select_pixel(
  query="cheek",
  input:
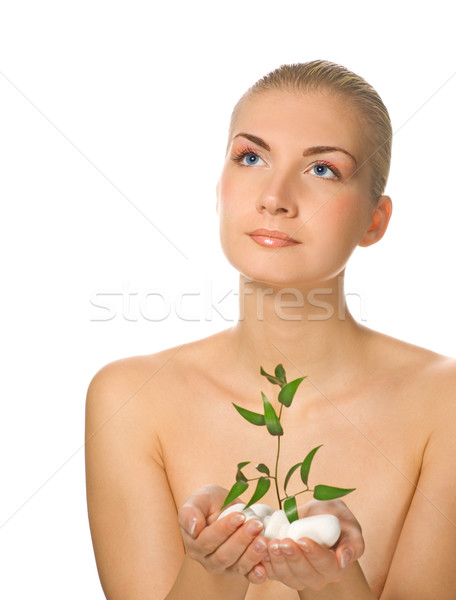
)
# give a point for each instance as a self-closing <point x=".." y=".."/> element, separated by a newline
<point x="347" y="216"/>
<point x="229" y="197"/>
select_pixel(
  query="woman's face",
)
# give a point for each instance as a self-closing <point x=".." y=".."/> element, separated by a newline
<point x="294" y="166"/>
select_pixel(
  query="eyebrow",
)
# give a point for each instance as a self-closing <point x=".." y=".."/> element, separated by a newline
<point x="307" y="152"/>
<point x="256" y="140"/>
<point x="325" y="149"/>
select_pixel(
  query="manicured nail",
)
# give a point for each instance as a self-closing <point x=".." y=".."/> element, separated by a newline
<point x="259" y="546"/>
<point x="286" y="549"/>
<point x="254" y="526"/>
<point x="275" y="549"/>
<point x="258" y="571"/>
<point x="303" y="545"/>
<point x="346" y="558"/>
<point x="192" y="527"/>
<point x="237" y="520"/>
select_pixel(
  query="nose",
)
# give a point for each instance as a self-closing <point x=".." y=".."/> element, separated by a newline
<point x="278" y="197"/>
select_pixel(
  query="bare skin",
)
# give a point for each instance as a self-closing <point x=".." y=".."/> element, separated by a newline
<point x="159" y="427"/>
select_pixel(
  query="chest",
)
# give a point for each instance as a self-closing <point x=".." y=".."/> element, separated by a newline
<point x="371" y="446"/>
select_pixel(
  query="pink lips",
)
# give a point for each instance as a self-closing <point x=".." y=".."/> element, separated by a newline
<point x="271" y="238"/>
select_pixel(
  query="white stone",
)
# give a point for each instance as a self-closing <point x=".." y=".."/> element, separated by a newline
<point x="239" y="507"/>
<point x="323" y="529"/>
<point x="262" y="511"/>
<point x="276" y="524"/>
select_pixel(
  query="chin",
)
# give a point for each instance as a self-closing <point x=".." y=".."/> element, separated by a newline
<point x="270" y="277"/>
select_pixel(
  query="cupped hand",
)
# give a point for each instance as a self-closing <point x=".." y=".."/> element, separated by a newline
<point x="306" y="564"/>
<point x="230" y="545"/>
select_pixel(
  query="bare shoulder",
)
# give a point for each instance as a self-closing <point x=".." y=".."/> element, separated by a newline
<point x="427" y="375"/>
<point x="151" y="375"/>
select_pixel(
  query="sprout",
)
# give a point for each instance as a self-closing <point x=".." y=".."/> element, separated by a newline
<point x="271" y="421"/>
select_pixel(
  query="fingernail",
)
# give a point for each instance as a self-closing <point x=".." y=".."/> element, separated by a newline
<point x="275" y="549"/>
<point x="237" y="519"/>
<point x="192" y="527"/>
<point x="303" y="545"/>
<point x="259" y="546"/>
<point x="258" y="571"/>
<point x="346" y="558"/>
<point x="286" y="549"/>
<point x="254" y="526"/>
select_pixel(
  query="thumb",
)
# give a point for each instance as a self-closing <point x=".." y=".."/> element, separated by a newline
<point x="191" y="520"/>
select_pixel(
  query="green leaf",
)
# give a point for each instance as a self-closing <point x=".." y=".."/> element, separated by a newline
<point x="241" y="465"/>
<point x="251" y="417"/>
<point x="290" y="508"/>
<point x="280" y="374"/>
<point x="288" y="391"/>
<point x="260" y="490"/>
<point x="270" y="378"/>
<point x="326" y="492"/>
<point x="263" y="469"/>
<point x="239" y="474"/>
<point x="306" y="464"/>
<point x="290" y="473"/>
<point x="271" y="418"/>
<point x="238" y="488"/>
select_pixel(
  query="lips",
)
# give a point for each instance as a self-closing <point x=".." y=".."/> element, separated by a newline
<point x="272" y="238"/>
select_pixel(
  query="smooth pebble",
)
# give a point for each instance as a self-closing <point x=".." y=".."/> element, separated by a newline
<point x="323" y="529"/>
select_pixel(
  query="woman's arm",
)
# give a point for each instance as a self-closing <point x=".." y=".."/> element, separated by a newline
<point x="424" y="564"/>
<point x="131" y="510"/>
<point x="133" y="518"/>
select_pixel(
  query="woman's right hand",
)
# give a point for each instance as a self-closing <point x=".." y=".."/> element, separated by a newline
<point x="226" y="546"/>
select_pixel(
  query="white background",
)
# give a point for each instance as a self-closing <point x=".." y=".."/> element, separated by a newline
<point x="113" y="122"/>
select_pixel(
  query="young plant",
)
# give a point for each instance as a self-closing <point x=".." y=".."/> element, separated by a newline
<point x="271" y="421"/>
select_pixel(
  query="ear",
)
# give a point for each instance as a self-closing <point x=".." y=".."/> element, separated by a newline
<point x="217" y="188"/>
<point x="379" y="223"/>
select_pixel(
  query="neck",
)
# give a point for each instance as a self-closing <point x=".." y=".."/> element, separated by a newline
<point x="309" y="330"/>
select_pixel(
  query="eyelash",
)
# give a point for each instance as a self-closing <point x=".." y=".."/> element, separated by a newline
<point x="330" y="166"/>
<point x="242" y="153"/>
<point x="246" y="150"/>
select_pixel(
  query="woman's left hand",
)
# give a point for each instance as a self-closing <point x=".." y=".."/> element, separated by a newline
<point x="306" y="564"/>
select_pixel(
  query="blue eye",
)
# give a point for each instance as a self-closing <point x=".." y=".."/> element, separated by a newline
<point x="247" y="157"/>
<point x="323" y="171"/>
<point x="251" y="159"/>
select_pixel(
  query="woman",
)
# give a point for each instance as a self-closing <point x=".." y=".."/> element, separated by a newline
<point x="302" y="186"/>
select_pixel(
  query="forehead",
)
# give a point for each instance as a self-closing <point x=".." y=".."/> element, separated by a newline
<point x="301" y="119"/>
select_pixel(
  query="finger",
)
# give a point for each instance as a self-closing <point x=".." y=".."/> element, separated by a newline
<point x="289" y="563"/>
<point x="200" y="509"/>
<point x="235" y="552"/>
<point x="215" y="536"/>
<point x="349" y="549"/>
<point x="191" y="520"/>
<point x="257" y="575"/>
<point x="278" y="565"/>
<point x="252" y="556"/>
<point x="266" y="563"/>
<point x="322" y="560"/>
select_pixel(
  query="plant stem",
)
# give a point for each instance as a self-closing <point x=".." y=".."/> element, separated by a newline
<point x="277" y="463"/>
<point x="297" y="493"/>
<point x="276" y="470"/>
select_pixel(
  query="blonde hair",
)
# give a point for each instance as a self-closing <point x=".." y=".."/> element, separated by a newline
<point x="325" y="76"/>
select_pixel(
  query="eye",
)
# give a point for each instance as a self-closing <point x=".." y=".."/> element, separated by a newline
<point x="251" y="159"/>
<point x="248" y="158"/>
<point x="324" y="171"/>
